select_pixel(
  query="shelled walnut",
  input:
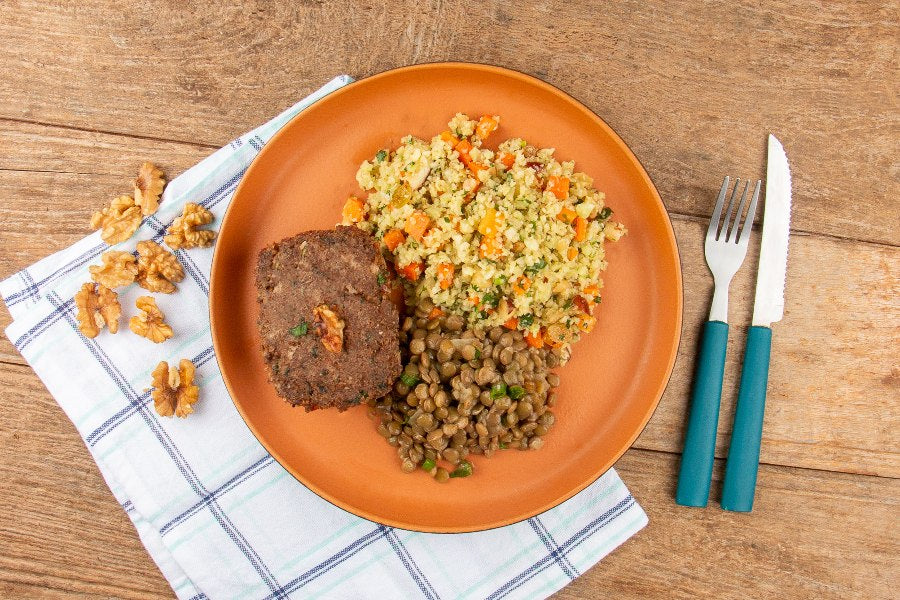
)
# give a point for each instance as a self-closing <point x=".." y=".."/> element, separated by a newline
<point x="158" y="269"/>
<point x="118" y="221"/>
<point x="98" y="307"/>
<point x="148" y="187"/>
<point x="119" y="269"/>
<point x="183" y="232"/>
<point x="150" y="323"/>
<point x="174" y="390"/>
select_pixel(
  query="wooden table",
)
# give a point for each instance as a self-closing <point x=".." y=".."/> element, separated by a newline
<point x="90" y="90"/>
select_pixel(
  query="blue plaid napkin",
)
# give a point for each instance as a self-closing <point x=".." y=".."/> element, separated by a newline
<point x="219" y="516"/>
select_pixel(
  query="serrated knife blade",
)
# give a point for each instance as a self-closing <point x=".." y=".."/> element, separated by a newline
<point x="768" y="307"/>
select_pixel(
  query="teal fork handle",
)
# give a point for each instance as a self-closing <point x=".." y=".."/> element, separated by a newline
<point x="743" y="454"/>
<point x="700" y="440"/>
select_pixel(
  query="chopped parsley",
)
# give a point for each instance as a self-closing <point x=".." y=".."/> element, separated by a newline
<point x="300" y="330"/>
<point x="428" y="464"/>
<point x="409" y="380"/>
<point x="500" y="281"/>
<point x="568" y="304"/>
<point x="526" y="320"/>
<point x="381" y="279"/>
<point x="516" y="392"/>
<point x="491" y="299"/>
<point x="605" y="213"/>
<point x="382" y="154"/>
<point x="536" y="266"/>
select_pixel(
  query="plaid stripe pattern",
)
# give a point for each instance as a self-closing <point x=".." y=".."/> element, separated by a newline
<point x="219" y="516"/>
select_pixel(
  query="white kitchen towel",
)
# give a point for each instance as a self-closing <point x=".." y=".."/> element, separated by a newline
<point x="219" y="516"/>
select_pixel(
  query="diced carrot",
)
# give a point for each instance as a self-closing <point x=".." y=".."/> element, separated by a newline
<point x="591" y="290"/>
<point x="463" y="148"/>
<point x="491" y="222"/>
<point x="445" y="275"/>
<point x="586" y="323"/>
<point x="521" y="286"/>
<point x="507" y="159"/>
<point x="490" y="247"/>
<point x="512" y="323"/>
<point x="393" y="238"/>
<point x="435" y="313"/>
<point x="412" y="271"/>
<point x="354" y="210"/>
<point x="572" y="253"/>
<point x="582" y="304"/>
<point x="534" y="340"/>
<point x="566" y="214"/>
<point x="486" y="126"/>
<point x="448" y="137"/>
<point x="559" y="186"/>
<point x="416" y="225"/>
<point x="474" y="300"/>
<point x="580" y="229"/>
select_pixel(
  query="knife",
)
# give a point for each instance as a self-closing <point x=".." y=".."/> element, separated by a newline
<point x="768" y="307"/>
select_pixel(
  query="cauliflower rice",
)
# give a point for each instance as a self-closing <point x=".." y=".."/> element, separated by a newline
<point x="509" y="237"/>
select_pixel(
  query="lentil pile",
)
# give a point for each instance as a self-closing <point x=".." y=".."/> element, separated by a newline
<point x="465" y="391"/>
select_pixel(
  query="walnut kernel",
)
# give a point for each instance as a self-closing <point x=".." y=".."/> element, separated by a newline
<point x="149" y="323"/>
<point x="183" y="232"/>
<point x="329" y="327"/>
<point x="148" y="187"/>
<point x="118" y="221"/>
<point x="119" y="269"/>
<point x="98" y="306"/>
<point x="174" y="390"/>
<point x="158" y="269"/>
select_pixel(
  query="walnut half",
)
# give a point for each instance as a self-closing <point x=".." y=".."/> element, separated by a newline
<point x="119" y="269"/>
<point x="98" y="306"/>
<point x="148" y="187"/>
<point x="183" y="232"/>
<point x="329" y="327"/>
<point x="149" y="323"/>
<point x="118" y="221"/>
<point x="158" y="269"/>
<point x="174" y="390"/>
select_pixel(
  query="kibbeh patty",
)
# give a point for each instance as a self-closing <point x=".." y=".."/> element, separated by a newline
<point x="312" y="289"/>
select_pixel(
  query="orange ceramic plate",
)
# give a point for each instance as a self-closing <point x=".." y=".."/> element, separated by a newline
<point x="609" y="388"/>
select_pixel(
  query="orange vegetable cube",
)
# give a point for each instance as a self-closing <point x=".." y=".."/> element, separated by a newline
<point x="354" y="210"/>
<point x="572" y="253"/>
<point x="580" y="229"/>
<point x="445" y="275"/>
<point x="412" y="271"/>
<point x="416" y="225"/>
<point x="486" y="126"/>
<point x="507" y="159"/>
<point x="558" y="186"/>
<point x="435" y="313"/>
<point x="521" y="286"/>
<point x="534" y="340"/>
<point x="393" y="238"/>
<point x="591" y="290"/>
<point x="448" y="137"/>
<point x="512" y="323"/>
<point x="566" y="214"/>
<point x="491" y="222"/>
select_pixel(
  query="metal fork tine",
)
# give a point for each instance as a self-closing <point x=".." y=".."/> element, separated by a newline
<point x="732" y="235"/>
<point x="717" y="211"/>
<point x="751" y="213"/>
<point x="724" y="231"/>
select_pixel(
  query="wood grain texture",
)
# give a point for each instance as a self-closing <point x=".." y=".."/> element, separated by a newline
<point x="693" y="106"/>
<point x="91" y="89"/>
<point x="812" y="534"/>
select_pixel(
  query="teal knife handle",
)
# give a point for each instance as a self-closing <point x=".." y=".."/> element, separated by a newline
<point x="700" y="439"/>
<point x="743" y="455"/>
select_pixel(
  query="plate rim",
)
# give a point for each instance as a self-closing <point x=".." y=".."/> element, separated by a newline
<point x="673" y="351"/>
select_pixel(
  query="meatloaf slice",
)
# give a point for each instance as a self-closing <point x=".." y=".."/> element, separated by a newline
<point x="343" y="270"/>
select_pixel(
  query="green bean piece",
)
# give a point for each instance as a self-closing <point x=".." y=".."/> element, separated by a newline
<point x="464" y="469"/>
<point x="300" y="330"/>
<point x="498" y="390"/>
<point x="409" y="380"/>
<point x="428" y="464"/>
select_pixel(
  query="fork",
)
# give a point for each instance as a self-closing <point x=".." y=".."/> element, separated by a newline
<point x="725" y="250"/>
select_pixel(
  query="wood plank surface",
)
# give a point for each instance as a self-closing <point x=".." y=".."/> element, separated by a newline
<point x="92" y="89"/>
<point x="693" y="87"/>
<point x="811" y="534"/>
